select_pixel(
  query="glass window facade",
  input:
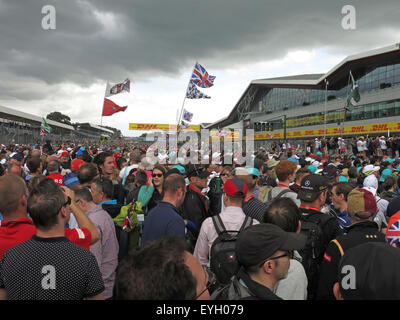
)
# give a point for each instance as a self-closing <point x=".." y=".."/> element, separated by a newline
<point x="278" y="99"/>
<point x="363" y="112"/>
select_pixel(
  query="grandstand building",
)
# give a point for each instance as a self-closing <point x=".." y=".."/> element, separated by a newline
<point x="89" y="130"/>
<point x="24" y="128"/>
<point x="302" y="107"/>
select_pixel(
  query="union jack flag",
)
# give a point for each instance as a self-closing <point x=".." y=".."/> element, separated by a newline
<point x="201" y="78"/>
<point x="393" y="234"/>
<point x="127" y="221"/>
<point x="43" y="133"/>
<point x="187" y="115"/>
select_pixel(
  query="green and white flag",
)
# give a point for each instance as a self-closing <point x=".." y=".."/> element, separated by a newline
<point x="45" y="126"/>
<point x="354" y="95"/>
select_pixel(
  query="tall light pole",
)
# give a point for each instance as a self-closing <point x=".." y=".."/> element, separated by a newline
<point x="326" y="99"/>
<point x="284" y="129"/>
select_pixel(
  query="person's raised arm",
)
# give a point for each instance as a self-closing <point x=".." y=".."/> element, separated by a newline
<point x="81" y="218"/>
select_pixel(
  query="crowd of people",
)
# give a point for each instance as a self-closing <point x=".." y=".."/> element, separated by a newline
<point x="109" y="222"/>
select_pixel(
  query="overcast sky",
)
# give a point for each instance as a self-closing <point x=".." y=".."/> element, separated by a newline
<point x="155" y="43"/>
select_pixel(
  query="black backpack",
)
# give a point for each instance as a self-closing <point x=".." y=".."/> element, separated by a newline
<point x="231" y="291"/>
<point x="312" y="253"/>
<point x="223" y="262"/>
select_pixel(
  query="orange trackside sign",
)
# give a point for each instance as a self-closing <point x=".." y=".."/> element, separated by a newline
<point x="159" y="127"/>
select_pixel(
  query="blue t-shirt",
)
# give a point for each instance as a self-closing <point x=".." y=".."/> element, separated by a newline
<point x="161" y="221"/>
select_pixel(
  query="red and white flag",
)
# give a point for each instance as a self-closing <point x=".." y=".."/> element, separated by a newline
<point x="109" y="108"/>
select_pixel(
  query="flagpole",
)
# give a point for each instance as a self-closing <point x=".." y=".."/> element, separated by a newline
<point x="180" y="114"/>
<point x="105" y="91"/>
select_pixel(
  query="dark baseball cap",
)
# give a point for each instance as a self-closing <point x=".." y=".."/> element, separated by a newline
<point x="171" y="171"/>
<point x="195" y="170"/>
<point x="331" y="171"/>
<point x="235" y="188"/>
<point x="311" y="186"/>
<point x="375" y="268"/>
<point x="393" y="206"/>
<point x="17" y="156"/>
<point x="259" y="242"/>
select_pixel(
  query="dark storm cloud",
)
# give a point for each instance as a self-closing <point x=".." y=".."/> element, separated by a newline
<point x="110" y="40"/>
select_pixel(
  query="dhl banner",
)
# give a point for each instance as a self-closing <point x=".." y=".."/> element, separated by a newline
<point x="336" y="131"/>
<point x="233" y="134"/>
<point x="160" y="127"/>
<point x="333" y="116"/>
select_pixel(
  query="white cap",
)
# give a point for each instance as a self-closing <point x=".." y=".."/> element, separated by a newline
<point x="316" y="163"/>
<point x="370" y="168"/>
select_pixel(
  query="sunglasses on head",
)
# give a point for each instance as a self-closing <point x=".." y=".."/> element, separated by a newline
<point x="68" y="202"/>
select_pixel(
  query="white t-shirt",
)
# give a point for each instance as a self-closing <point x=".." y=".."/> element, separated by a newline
<point x="360" y="147"/>
<point x="294" y="286"/>
<point x="383" y="144"/>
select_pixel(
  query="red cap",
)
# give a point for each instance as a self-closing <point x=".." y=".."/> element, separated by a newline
<point x="64" y="154"/>
<point x="235" y="188"/>
<point x="75" y="165"/>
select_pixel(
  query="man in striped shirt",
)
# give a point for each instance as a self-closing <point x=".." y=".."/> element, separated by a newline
<point x="252" y="207"/>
